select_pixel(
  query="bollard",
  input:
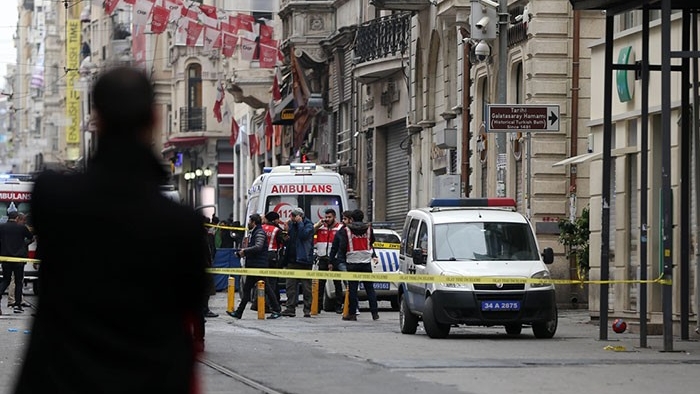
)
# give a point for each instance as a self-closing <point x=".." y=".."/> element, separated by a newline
<point x="231" y="293"/>
<point x="314" y="297"/>
<point x="261" y="300"/>
<point x="346" y="305"/>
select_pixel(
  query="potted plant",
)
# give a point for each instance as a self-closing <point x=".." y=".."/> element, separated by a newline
<point x="574" y="236"/>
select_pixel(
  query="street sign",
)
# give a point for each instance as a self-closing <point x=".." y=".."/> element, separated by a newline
<point x="519" y="117"/>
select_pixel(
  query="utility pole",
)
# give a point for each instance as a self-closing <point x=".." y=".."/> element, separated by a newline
<point x="503" y="20"/>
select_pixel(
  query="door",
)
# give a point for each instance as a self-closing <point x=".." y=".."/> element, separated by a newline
<point x="418" y="238"/>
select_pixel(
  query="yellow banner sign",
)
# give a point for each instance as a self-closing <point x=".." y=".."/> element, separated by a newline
<point x="72" y="96"/>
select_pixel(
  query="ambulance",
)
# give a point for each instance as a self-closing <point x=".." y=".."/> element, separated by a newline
<point x="16" y="193"/>
<point x="306" y="185"/>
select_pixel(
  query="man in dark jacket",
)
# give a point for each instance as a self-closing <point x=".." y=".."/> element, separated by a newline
<point x="14" y="238"/>
<point x="256" y="257"/>
<point x="120" y="342"/>
<point x="299" y="256"/>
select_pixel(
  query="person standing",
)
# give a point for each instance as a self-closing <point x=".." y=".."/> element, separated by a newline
<point x="326" y="229"/>
<point x="275" y="246"/>
<point x="355" y="248"/>
<point x="256" y="257"/>
<point x="299" y="256"/>
<point x="14" y="238"/>
<point x="119" y="342"/>
<point x="21" y="219"/>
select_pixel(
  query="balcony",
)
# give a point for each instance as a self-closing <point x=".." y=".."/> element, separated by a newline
<point x="401" y="5"/>
<point x="381" y="46"/>
<point x="193" y="119"/>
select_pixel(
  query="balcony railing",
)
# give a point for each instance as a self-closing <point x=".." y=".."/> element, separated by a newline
<point x="382" y="37"/>
<point x="193" y="119"/>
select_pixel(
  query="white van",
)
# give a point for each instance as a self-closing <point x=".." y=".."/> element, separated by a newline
<point x="479" y="238"/>
<point x="305" y="185"/>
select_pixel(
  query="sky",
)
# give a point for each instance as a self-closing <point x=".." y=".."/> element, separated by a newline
<point x="8" y="25"/>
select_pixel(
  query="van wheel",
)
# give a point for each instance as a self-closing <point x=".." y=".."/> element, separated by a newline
<point x="514" y="329"/>
<point x="395" y="303"/>
<point x="546" y="330"/>
<point x="407" y="320"/>
<point x="433" y="328"/>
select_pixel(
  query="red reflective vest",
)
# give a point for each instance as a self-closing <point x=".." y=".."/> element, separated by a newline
<point x="272" y="231"/>
<point x="359" y="247"/>
<point x="324" y="239"/>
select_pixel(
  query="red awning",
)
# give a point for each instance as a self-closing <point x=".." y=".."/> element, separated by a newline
<point x="185" y="141"/>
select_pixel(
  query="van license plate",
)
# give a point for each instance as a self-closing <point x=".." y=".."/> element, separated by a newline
<point x="376" y="285"/>
<point x="500" y="305"/>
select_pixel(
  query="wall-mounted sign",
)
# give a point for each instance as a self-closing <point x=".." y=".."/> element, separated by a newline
<point x="625" y="78"/>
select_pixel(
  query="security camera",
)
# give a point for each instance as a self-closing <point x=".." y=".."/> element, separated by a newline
<point x="481" y="24"/>
<point x="482" y="51"/>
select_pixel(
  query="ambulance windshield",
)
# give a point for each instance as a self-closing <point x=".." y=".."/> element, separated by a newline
<point x="485" y="241"/>
<point x="314" y="206"/>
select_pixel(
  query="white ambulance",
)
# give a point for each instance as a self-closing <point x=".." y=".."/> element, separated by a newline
<point x="306" y="185"/>
<point x="476" y="237"/>
<point x="16" y="193"/>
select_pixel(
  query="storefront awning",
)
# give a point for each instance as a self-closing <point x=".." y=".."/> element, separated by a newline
<point x="578" y="159"/>
<point x="284" y="111"/>
<point x="185" y="142"/>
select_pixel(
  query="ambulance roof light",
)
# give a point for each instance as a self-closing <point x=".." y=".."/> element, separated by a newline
<point x="302" y="167"/>
<point x="471" y="202"/>
<point x="267" y="170"/>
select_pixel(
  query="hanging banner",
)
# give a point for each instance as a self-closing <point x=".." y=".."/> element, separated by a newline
<point x="194" y="31"/>
<point x="142" y="12"/>
<point x="110" y="6"/>
<point x="160" y="19"/>
<point x="229" y="47"/>
<point x="174" y="7"/>
<point x="138" y="46"/>
<point x="268" y="53"/>
<point x="211" y="37"/>
<point x="72" y="76"/>
<point x="247" y="49"/>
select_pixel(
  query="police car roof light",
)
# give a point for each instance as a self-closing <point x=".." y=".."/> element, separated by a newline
<point x="388" y="225"/>
<point x="301" y="167"/>
<point x="471" y="202"/>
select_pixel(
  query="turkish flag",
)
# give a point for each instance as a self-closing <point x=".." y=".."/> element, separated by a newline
<point x="253" y="144"/>
<point x="235" y="130"/>
<point x="160" y="19"/>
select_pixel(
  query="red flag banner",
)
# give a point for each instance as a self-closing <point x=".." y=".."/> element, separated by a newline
<point x="219" y="101"/>
<point x="268" y="125"/>
<point x="194" y="30"/>
<point x="268" y="53"/>
<point x="247" y="49"/>
<point x="110" y="6"/>
<point x="266" y="32"/>
<point x="138" y="46"/>
<point x="245" y="22"/>
<point x="160" y="19"/>
<point x="278" y="135"/>
<point x="235" y="130"/>
<point x="276" y="91"/>
<point x="208" y="10"/>
<point x="130" y="2"/>
<point x="234" y="23"/>
<point x="229" y="47"/>
<point x="253" y="144"/>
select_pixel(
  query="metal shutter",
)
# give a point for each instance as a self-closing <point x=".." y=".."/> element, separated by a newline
<point x="397" y="163"/>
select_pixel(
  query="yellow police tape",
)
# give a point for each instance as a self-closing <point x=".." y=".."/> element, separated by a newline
<point x="8" y="259"/>
<point x="412" y="278"/>
<point x="386" y="245"/>
<point x="225" y="227"/>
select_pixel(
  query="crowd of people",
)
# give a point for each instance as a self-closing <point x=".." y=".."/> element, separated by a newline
<point x="300" y="244"/>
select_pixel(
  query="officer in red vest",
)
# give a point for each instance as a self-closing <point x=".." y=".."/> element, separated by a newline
<point x="275" y="245"/>
<point x="355" y="251"/>
<point x="323" y="240"/>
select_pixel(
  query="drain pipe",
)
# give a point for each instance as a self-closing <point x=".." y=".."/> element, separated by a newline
<point x="466" y="114"/>
<point x="575" y="77"/>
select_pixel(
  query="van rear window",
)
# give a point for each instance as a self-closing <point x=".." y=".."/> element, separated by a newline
<point x="485" y="242"/>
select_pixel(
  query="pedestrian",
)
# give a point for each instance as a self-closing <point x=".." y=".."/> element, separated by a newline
<point x="21" y="219"/>
<point x="136" y="281"/>
<point x="237" y="234"/>
<point x="14" y="239"/>
<point x="256" y="257"/>
<point x="226" y="235"/>
<point x="326" y="229"/>
<point x="299" y="256"/>
<point x="210" y="288"/>
<point x="355" y="249"/>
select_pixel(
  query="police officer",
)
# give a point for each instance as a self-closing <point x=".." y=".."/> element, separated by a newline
<point x="326" y="229"/>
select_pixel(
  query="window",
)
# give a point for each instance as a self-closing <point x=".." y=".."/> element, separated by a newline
<point x="314" y="206"/>
<point x="484" y="241"/>
<point x="407" y="242"/>
<point x="194" y="86"/>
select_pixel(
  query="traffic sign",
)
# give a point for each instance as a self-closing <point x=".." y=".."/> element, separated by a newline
<point x="517" y="117"/>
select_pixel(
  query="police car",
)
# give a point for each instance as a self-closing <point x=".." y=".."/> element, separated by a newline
<point x="386" y="246"/>
<point x="478" y="238"/>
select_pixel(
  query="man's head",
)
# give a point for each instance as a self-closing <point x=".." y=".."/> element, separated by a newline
<point x="123" y="100"/>
<point x="329" y="217"/>
<point x="347" y="217"/>
<point x="272" y="217"/>
<point x="297" y="214"/>
<point x="357" y="215"/>
<point x="254" y="220"/>
<point x="12" y="215"/>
